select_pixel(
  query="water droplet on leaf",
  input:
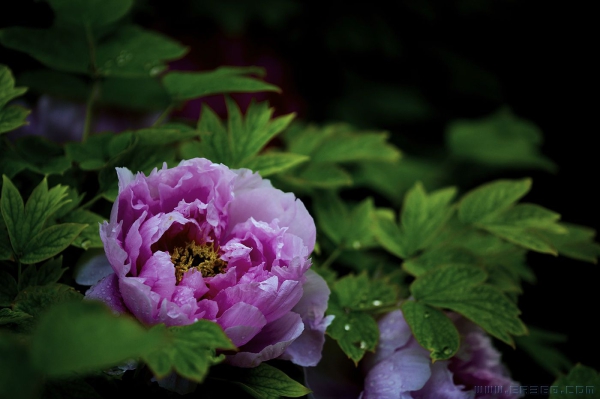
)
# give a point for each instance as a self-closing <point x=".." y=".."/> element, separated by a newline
<point x="347" y="327"/>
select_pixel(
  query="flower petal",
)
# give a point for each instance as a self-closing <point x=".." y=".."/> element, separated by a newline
<point x="107" y="291"/>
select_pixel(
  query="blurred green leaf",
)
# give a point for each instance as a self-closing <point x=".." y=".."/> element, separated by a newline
<point x="50" y="241"/>
<point x="361" y="293"/>
<point x="268" y="382"/>
<point x="13" y="212"/>
<point x="188" y="85"/>
<point x="8" y="316"/>
<point x="96" y="339"/>
<point x="577" y="243"/>
<point x="134" y="52"/>
<point x="541" y="346"/>
<point x="41" y="156"/>
<point x="188" y="350"/>
<point x="489" y="199"/>
<point x="8" y="288"/>
<point x="581" y="383"/>
<point x="89" y="236"/>
<point x="8" y="91"/>
<point x="433" y="329"/>
<point x="12" y="117"/>
<point x="92" y="13"/>
<point x="461" y="289"/>
<point x="499" y="140"/>
<point x="19" y="378"/>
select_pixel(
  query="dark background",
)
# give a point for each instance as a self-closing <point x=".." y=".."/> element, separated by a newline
<point x="411" y="68"/>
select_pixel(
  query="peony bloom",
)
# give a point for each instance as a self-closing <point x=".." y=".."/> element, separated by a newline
<point x="402" y="369"/>
<point x="201" y="241"/>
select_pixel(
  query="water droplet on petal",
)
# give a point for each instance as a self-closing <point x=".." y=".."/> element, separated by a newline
<point x="347" y="327"/>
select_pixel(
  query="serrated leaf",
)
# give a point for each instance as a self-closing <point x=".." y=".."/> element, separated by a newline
<point x="13" y="212"/>
<point x="499" y="140"/>
<point x="355" y="332"/>
<point x="389" y="235"/>
<point x="433" y="329"/>
<point x="50" y="272"/>
<point x="135" y="52"/>
<point x="141" y="94"/>
<point x="92" y="13"/>
<point x="577" y="242"/>
<point x="90" y="235"/>
<point x="527" y="238"/>
<point x="492" y="198"/>
<point x="353" y="147"/>
<point x="322" y="175"/>
<point x="541" y="346"/>
<point x="8" y="288"/>
<point x="96" y="339"/>
<point x="189" y="350"/>
<point x="60" y="48"/>
<point x="582" y="382"/>
<point x="8" y="316"/>
<point x="41" y="204"/>
<point x="91" y="154"/>
<point x="361" y="293"/>
<point x="274" y="162"/>
<point x="12" y="117"/>
<point x="5" y="247"/>
<point x="41" y="155"/>
<point x="50" y="242"/>
<point x="268" y="382"/>
<point x="188" y="85"/>
<point x="8" y="91"/>
<point x="35" y="299"/>
<point x="460" y="288"/>
<point x="435" y="257"/>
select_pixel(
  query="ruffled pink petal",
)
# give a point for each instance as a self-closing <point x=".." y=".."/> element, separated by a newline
<point x="107" y="291"/>
<point x="159" y="274"/>
<point x="270" y="343"/>
<point x="441" y="385"/>
<point x="241" y="322"/>
<point x="139" y="299"/>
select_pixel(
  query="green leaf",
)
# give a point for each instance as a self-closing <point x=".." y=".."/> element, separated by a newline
<point x="41" y="155"/>
<point x="389" y="235"/>
<point x="582" y="382"/>
<point x="8" y="91"/>
<point x="13" y="212"/>
<point x="356" y="332"/>
<point x="322" y="175"/>
<point x="188" y="85"/>
<point x="91" y="154"/>
<point x="490" y="199"/>
<point x="41" y="204"/>
<point x="189" y="350"/>
<point x="433" y="329"/>
<point x="133" y="52"/>
<point x="12" y="117"/>
<point x="5" y="247"/>
<point x="499" y="140"/>
<point x="274" y="162"/>
<point x="19" y="378"/>
<point x="541" y="346"/>
<point x="268" y="382"/>
<point x="527" y="238"/>
<point x="96" y="339"/>
<point x="8" y="316"/>
<point x="35" y="299"/>
<point x="50" y="272"/>
<point x="61" y="48"/>
<point x="8" y="288"/>
<point x="577" y="242"/>
<point x="50" y="242"/>
<point x="348" y="226"/>
<point x="431" y="258"/>
<point x="461" y="289"/>
<point x="92" y="13"/>
<point x="352" y="147"/>
<point x="90" y="236"/>
<point x="56" y="84"/>
<point x="361" y="293"/>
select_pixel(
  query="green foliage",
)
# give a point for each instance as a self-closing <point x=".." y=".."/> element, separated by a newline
<point x="353" y="301"/>
<point x="348" y="226"/>
<point x="187" y="85"/>
<point x="19" y="378"/>
<point x="92" y="13"/>
<point x="422" y="217"/>
<point x="540" y="345"/>
<point x="36" y="154"/>
<point x="272" y="162"/>
<point x="577" y="242"/>
<point x="89" y="236"/>
<point x="8" y="288"/>
<point x="188" y="350"/>
<point x="238" y="143"/>
<point x="96" y="339"/>
<point x="432" y="328"/>
<point x="13" y="116"/>
<point x="8" y="316"/>
<point x="462" y="289"/>
<point x="499" y="140"/>
<point x="268" y="382"/>
<point x="581" y="382"/>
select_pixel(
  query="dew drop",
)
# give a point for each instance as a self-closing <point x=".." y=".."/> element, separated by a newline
<point x="347" y="327"/>
<point x="363" y="345"/>
<point x="155" y="70"/>
<point x="356" y="245"/>
<point x="426" y="315"/>
<point x="447" y="351"/>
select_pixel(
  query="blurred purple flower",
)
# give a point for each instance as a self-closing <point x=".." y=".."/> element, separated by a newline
<point x="201" y="241"/>
<point x="60" y="120"/>
<point x="402" y="369"/>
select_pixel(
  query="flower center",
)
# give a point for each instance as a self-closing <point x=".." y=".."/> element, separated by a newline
<point x="204" y="258"/>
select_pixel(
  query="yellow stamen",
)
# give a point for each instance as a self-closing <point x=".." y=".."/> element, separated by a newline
<point x="204" y="258"/>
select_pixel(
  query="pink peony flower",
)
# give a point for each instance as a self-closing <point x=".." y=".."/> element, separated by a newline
<point x="201" y="241"/>
<point x="402" y="369"/>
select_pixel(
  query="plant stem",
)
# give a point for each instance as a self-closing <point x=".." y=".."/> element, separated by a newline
<point x="91" y="202"/>
<point x="19" y="275"/>
<point x="162" y="116"/>
<point x="88" y="111"/>
<point x="332" y="257"/>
